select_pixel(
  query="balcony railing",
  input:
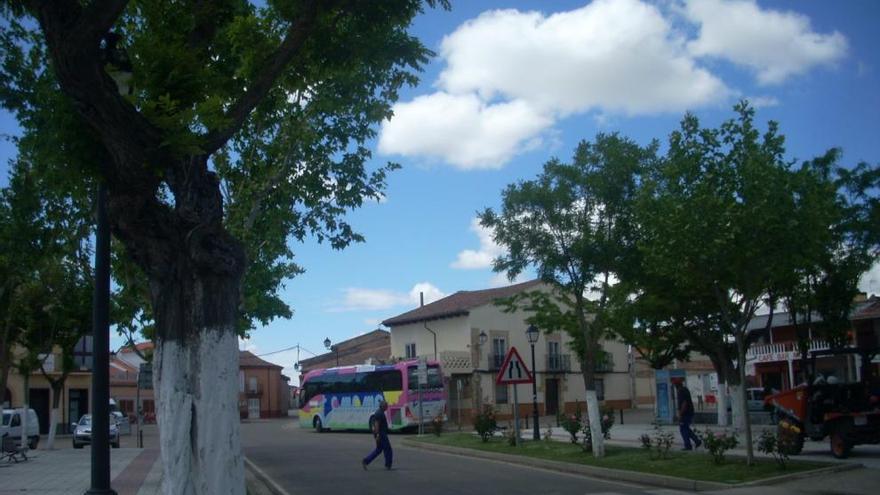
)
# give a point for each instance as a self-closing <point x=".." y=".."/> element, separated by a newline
<point x="604" y="363"/>
<point x="781" y="351"/>
<point x="558" y="363"/>
<point x="254" y="391"/>
<point x="495" y="361"/>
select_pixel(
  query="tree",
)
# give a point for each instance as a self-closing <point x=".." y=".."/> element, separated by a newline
<point x="241" y="119"/>
<point x="573" y="223"/>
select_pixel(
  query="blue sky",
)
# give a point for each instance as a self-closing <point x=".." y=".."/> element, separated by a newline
<point x="516" y="83"/>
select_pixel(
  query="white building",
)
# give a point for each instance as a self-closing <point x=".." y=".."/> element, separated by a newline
<point x="450" y="331"/>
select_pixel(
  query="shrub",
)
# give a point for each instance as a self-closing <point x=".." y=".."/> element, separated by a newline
<point x="572" y="424"/>
<point x="437" y="425"/>
<point x="511" y="435"/>
<point x="607" y="418"/>
<point x="485" y="423"/>
<point x="718" y="444"/>
<point x="777" y="447"/>
<point x="548" y="433"/>
<point x="659" y="443"/>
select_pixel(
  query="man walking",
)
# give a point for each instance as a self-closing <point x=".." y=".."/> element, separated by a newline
<point x="686" y="416"/>
<point x="380" y="433"/>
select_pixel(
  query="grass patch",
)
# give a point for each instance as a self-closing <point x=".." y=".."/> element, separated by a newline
<point x="693" y="466"/>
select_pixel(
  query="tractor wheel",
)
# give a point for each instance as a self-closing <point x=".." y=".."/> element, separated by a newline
<point x="840" y="447"/>
<point x="793" y="441"/>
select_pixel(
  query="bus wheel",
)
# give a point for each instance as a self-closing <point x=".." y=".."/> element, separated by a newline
<point x="318" y="426"/>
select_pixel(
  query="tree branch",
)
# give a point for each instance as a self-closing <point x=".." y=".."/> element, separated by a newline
<point x="97" y="18"/>
<point x="296" y="36"/>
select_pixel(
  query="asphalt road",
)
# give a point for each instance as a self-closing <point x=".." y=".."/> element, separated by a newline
<point x="303" y="461"/>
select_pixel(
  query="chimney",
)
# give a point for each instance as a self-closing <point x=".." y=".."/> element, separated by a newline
<point x="421" y="299"/>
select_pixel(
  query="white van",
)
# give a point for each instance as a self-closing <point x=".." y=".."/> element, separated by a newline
<point x="11" y="425"/>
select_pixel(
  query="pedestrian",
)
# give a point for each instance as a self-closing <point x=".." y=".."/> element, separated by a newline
<point x="686" y="416"/>
<point x="380" y="433"/>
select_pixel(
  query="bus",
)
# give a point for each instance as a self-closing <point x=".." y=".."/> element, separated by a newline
<point x="344" y="398"/>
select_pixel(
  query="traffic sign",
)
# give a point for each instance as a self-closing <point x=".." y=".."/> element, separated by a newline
<point x="513" y="370"/>
<point x="145" y="376"/>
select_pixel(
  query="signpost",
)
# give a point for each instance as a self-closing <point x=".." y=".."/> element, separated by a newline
<point x="514" y="372"/>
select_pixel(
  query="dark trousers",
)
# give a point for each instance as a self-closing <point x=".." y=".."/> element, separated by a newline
<point x="687" y="434"/>
<point x="383" y="446"/>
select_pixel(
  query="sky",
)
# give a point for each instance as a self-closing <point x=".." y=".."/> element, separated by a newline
<point x="516" y="83"/>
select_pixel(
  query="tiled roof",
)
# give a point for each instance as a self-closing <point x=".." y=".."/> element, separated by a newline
<point x="143" y="346"/>
<point x="459" y="304"/>
<point x="247" y="359"/>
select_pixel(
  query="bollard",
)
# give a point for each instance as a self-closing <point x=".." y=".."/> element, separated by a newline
<point x="141" y="438"/>
<point x="621" y="416"/>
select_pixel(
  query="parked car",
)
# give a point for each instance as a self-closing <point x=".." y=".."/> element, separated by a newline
<point x="122" y="422"/>
<point x="755" y="399"/>
<point x="82" y="432"/>
<point x="11" y="425"/>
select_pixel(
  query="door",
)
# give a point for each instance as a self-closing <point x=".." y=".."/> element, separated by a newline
<point x="77" y="404"/>
<point x="253" y="408"/>
<point x="39" y="402"/>
<point x="551" y="397"/>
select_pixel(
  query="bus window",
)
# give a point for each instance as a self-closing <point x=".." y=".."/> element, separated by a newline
<point x="434" y="378"/>
<point x="383" y="381"/>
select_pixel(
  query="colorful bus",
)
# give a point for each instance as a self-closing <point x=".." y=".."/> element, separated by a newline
<point x="344" y="398"/>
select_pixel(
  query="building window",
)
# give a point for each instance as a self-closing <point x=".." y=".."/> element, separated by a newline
<point x="600" y="389"/>
<point x="501" y="394"/>
<point x="411" y="351"/>
<point x="499" y="349"/>
<point x="252" y="384"/>
<point x="82" y="353"/>
<point x="241" y="381"/>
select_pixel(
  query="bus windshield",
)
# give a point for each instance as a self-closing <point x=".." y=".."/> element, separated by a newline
<point x="435" y="380"/>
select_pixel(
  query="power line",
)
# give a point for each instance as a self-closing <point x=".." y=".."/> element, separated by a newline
<point x="287" y="349"/>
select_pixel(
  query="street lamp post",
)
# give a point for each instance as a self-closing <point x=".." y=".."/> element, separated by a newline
<point x="533" y="333"/>
<point x="334" y="348"/>
<point x="119" y="65"/>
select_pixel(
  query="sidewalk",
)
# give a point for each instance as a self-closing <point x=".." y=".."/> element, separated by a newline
<point x="133" y="471"/>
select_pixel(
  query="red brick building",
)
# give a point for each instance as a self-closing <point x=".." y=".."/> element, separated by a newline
<point x="372" y="347"/>
<point x="263" y="390"/>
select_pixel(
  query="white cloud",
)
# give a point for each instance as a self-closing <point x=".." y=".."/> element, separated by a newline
<point x="462" y="129"/>
<point x="763" y="101"/>
<point x="470" y="259"/>
<point x="511" y="75"/>
<point x="246" y="345"/>
<point x="361" y="299"/>
<point x="775" y="44"/>
<point x="870" y="281"/>
<point x="372" y="322"/>
<point x="500" y="280"/>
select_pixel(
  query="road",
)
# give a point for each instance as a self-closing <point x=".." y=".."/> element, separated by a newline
<point x="303" y="461"/>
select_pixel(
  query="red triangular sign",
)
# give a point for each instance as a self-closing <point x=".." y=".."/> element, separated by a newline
<point x="513" y="370"/>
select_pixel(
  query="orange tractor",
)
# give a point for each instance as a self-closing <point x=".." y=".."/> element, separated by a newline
<point x="847" y="413"/>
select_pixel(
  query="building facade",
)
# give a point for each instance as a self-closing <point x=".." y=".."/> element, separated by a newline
<point x="372" y="347"/>
<point x="263" y="390"/>
<point x="449" y="330"/>
<point x="74" y="397"/>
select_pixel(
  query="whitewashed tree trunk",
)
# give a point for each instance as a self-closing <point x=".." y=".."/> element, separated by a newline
<point x="595" y="424"/>
<point x="197" y="384"/>
<point x="723" y="419"/>
<point x="736" y="399"/>
<point x="53" y="424"/>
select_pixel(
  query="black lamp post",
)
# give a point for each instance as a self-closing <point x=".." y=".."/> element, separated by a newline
<point x="334" y="348"/>
<point x="533" y="333"/>
<point x="116" y="59"/>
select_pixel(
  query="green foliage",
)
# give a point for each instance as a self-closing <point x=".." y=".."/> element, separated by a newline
<point x="437" y="425"/>
<point x="717" y="444"/>
<point x="777" y="447"/>
<point x="572" y="424"/>
<point x="658" y="443"/>
<point x="485" y="424"/>
<point x="290" y="171"/>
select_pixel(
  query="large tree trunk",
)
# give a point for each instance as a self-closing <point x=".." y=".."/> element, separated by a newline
<point x="196" y="380"/>
<point x="588" y="370"/>
<point x="54" y="414"/>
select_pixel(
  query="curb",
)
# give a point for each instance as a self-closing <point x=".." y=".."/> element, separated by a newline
<point x="268" y="484"/>
<point x="611" y="474"/>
